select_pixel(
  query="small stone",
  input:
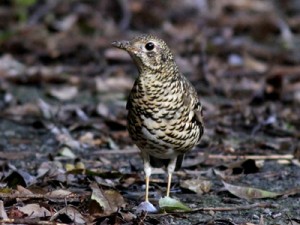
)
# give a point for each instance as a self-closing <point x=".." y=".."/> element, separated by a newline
<point x="146" y="207"/>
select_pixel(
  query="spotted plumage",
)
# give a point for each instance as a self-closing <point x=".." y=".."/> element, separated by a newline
<point x="164" y="113"/>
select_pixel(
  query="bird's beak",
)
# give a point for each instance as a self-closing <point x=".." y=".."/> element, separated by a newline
<point x="125" y="45"/>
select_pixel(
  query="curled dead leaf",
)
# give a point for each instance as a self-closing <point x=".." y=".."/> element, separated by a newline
<point x="105" y="202"/>
<point x="69" y="213"/>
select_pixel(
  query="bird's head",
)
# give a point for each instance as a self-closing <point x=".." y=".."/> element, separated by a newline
<point x="149" y="53"/>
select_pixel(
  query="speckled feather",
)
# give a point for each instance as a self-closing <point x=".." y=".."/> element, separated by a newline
<point x="164" y="113"/>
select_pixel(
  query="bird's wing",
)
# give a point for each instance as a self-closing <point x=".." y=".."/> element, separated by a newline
<point x="133" y="90"/>
<point x="191" y="99"/>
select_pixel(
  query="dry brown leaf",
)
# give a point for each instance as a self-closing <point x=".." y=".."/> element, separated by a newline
<point x="254" y="64"/>
<point x="72" y="213"/>
<point x="59" y="193"/>
<point x="23" y="190"/>
<point x="105" y="202"/>
<point x="197" y="185"/>
<point x="88" y="138"/>
<point x="34" y="211"/>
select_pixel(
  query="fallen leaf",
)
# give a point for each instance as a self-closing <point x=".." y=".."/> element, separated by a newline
<point x="64" y="93"/>
<point x="68" y="214"/>
<point x="34" y="211"/>
<point x="23" y="190"/>
<point x="105" y="202"/>
<point x="3" y="214"/>
<point x="249" y="192"/>
<point x="19" y="178"/>
<point x="89" y="139"/>
<point x="253" y="64"/>
<point x="67" y="152"/>
<point x="69" y="167"/>
<point x="292" y="191"/>
<point x="59" y="193"/>
<point x="171" y="205"/>
<point x="197" y="185"/>
<point x="50" y="169"/>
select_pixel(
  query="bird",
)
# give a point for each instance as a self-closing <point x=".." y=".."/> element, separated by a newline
<point x="164" y="118"/>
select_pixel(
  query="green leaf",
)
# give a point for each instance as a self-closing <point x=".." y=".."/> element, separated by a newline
<point x="25" y="3"/>
<point x="249" y="192"/>
<point x="171" y="205"/>
<point x="67" y="152"/>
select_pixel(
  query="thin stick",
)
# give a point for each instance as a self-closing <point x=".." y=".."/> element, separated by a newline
<point x="69" y="198"/>
<point x="242" y="207"/>
<point x="209" y="156"/>
<point x="221" y="209"/>
<point x="29" y="221"/>
<point x="254" y="157"/>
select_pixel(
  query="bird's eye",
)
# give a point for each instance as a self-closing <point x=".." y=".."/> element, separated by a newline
<point x="149" y="46"/>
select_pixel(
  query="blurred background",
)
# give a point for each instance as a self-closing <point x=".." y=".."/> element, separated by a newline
<point x="57" y="64"/>
<point x="63" y="87"/>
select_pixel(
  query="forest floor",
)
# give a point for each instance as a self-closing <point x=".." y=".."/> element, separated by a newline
<point x="65" y="153"/>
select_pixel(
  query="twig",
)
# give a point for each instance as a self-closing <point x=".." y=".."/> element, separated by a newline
<point x="29" y="221"/>
<point x="254" y="157"/>
<point x="69" y="198"/>
<point x="220" y="209"/>
<point x="209" y="156"/>
<point x="242" y="207"/>
<point x="116" y="151"/>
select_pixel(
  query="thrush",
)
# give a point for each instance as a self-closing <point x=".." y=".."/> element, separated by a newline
<point x="164" y="112"/>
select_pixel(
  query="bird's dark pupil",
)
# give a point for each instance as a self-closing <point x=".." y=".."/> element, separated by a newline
<point x="149" y="46"/>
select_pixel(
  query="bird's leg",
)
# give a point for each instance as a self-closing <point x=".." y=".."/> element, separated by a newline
<point x="171" y="168"/>
<point x="169" y="184"/>
<point x="146" y="206"/>
<point x="147" y="189"/>
<point x="147" y="170"/>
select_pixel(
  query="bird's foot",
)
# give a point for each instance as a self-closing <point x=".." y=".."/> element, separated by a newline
<point x="146" y="207"/>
